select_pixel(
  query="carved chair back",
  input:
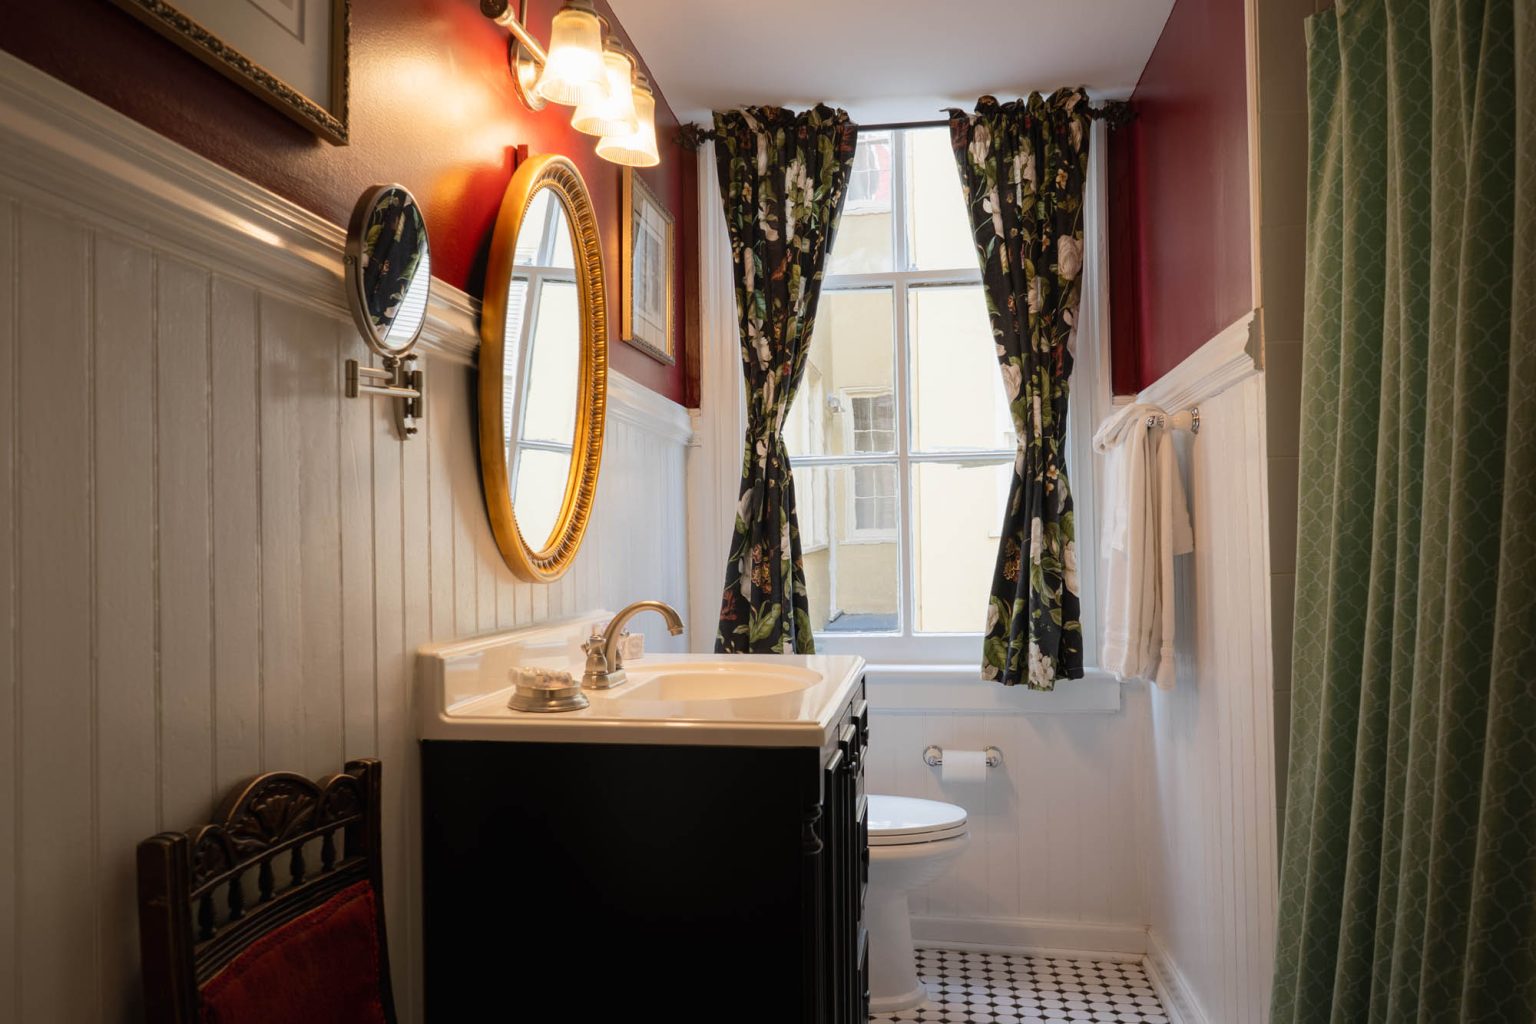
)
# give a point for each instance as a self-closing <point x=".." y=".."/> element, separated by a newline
<point x="279" y="847"/>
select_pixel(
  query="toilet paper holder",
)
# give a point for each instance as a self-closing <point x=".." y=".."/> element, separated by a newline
<point x="933" y="756"/>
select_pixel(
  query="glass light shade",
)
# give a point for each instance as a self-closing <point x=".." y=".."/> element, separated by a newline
<point x="615" y="115"/>
<point x="637" y="148"/>
<point x="574" y="71"/>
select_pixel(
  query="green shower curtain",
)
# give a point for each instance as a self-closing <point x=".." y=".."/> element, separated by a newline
<point x="1408" y="880"/>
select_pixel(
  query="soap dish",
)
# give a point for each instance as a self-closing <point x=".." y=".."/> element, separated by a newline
<point x="537" y="689"/>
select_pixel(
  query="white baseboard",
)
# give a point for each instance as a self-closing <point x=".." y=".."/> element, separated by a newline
<point x="1073" y="939"/>
<point x="1177" y="997"/>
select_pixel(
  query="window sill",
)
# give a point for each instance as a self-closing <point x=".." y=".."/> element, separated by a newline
<point x="859" y="537"/>
<point x="920" y="689"/>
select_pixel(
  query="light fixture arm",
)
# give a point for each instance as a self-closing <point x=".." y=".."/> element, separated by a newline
<point x="526" y="56"/>
<point x="500" y="11"/>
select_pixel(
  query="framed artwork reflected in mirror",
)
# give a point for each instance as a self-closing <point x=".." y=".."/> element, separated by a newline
<point x="291" y="53"/>
<point x="647" y="254"/>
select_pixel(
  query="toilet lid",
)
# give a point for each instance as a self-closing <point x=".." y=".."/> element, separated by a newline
<point x="900" y="820"/>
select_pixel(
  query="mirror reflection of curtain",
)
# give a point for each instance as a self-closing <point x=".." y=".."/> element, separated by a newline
<point x="1408" y="879"/>
<point x="394" y="244"/>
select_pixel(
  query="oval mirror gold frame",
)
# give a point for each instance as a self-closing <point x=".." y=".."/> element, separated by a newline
<point x="560" y="176"/>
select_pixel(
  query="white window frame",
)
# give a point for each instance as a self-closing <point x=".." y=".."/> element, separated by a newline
<point x="906" y="646"/>
<point x="812" y="504"/>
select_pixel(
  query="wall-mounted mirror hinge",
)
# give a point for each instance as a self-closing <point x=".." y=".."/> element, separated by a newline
<point x="398" y="379"/>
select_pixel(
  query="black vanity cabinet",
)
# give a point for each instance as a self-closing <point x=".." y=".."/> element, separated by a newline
<point x="610" y="882"/>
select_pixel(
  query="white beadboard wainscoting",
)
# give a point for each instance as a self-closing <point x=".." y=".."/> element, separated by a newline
<point x="1052" y="862"/>
<point x="1208" y="824"/>
<point x="216" y="563"/>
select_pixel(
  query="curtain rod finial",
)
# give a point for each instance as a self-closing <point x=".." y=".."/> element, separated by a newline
<point x="691" y="136"/>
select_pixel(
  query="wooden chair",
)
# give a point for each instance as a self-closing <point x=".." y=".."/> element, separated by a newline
<point x="272" y="912"/>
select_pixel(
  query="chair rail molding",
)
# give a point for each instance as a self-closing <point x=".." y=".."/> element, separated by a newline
<point x="639" y="406"/>
<point x="68" y="152"/>
<point x="1230" y="357"/>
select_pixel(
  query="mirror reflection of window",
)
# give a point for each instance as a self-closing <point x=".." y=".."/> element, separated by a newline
<point x="542" y="361"/>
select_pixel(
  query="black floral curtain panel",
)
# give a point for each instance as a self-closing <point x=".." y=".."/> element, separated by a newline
<point x="782" y="178"/>
<point x="1023" y="165"/>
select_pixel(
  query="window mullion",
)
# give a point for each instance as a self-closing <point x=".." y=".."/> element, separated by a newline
<point x="905" y="556"/>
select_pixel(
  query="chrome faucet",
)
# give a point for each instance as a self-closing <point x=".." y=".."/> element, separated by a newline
<point x="605" y="660"/>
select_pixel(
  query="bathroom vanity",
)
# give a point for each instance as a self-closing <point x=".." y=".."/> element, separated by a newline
<point x="691" y="846"/>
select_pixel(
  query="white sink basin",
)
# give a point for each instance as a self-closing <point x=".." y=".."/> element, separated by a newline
<point x="691" y="682"/>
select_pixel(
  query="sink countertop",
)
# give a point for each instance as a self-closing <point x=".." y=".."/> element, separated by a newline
<point x="466" y="690"/>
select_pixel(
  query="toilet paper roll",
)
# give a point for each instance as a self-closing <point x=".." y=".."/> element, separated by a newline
<point x="964" y="766"/>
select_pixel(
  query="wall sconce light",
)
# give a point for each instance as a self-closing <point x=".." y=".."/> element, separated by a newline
<point x="612" y="98"/>
<point x="636" y="148"/>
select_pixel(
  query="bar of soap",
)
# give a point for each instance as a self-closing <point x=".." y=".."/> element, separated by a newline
<point x="541" y="678"/>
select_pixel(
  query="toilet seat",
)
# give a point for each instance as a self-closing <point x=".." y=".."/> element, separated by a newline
<point x="907" y="821"/>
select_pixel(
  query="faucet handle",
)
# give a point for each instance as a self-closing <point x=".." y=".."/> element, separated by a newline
<point x="631" y="645"/>
<point x="596" y="651"/>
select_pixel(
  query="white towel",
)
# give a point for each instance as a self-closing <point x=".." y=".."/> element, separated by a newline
<point x="1147" y="524"/>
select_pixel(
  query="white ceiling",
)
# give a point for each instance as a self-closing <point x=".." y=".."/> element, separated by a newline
<point x="887" y="61"/>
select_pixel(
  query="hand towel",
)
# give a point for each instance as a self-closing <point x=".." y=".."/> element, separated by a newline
<point x="1146" y="524"/>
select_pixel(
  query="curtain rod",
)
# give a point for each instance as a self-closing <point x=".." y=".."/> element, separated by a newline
<point x="1115" y="113"/>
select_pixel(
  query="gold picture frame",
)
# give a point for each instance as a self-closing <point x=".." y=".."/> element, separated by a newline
<point x="527" y="561"/>
<point x="644" y="266"/>
<point x="328" y="119"/>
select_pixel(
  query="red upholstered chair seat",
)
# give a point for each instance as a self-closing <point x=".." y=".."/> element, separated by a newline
<point x="321" y="966"/>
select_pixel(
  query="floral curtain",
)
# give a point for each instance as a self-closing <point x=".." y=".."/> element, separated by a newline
<point x="1408" y="872"/>
<point x="1023" y="165"/>
<point x="782" y="178"/>
<point x="394" y="242"/>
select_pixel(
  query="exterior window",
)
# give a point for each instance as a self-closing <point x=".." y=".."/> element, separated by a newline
<point x="874" y="487"/>
<point x="874" y="423"/>
<point x="869" y="183"/>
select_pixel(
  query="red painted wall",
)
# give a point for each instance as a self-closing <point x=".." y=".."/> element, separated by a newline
<point x="432" y="107"/>
<point x="1179" y="179"/>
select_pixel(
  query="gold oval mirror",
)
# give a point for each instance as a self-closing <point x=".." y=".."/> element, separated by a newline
<point x="543" y="368"/>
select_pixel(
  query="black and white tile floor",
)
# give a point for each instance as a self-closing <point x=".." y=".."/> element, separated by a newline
<point x="1001" y="988"/>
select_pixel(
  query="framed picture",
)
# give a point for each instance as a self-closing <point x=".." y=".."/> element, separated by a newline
<point x="291" y="53"/>
<point x="646" y="251"/>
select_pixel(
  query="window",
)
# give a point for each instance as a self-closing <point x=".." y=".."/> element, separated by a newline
<point x="873" y="422"/>
<point x="869" y="182"/>
<point x="903" y="450"/>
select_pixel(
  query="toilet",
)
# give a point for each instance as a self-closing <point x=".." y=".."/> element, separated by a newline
<point x="911" y="843"/>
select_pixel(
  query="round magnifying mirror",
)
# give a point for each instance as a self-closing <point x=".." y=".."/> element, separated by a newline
<point x="543" y="368"/>
<point x="389" y="269"/>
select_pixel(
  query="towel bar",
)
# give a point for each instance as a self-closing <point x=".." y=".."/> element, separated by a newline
<point x="1188" y="420"/>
